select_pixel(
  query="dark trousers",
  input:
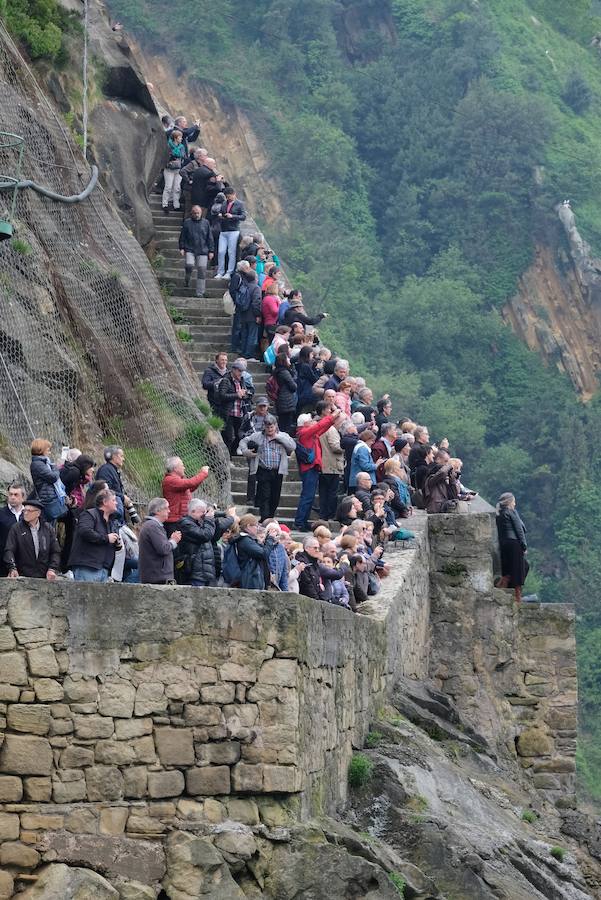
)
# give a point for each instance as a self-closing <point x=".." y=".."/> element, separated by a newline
<point x="170" y="527"/>
<point x="251" y="489"/>
<point x="309" y="481"/>
<point x="236" y="341"/>
<point x="269" y="488"/>
<point x="231" y="432"/>
<point x="287" y="421"/>
<point x="328" y="490"/>
<point x="249" y="338"/>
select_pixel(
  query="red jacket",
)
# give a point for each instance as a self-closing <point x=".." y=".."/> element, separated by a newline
<point x="178" y="491"/>
<point x="309" y="436"/>
<point x="379" y="450"/>
<point x="269" y="309"/>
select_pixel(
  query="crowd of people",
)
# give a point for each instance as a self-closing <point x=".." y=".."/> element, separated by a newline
<point x="365" y="468"/>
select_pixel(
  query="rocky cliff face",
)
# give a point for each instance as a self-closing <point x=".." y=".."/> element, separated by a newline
<point x="556" y="310"/>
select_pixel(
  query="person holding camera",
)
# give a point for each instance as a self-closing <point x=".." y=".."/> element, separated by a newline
<point x="155" y="559"/>
<point x="110" y="471"/>
<point x="267" y="452"/>
<point x="177" y="490"/>
<point x="96" y="539"/>
<point x="32" y="548"/>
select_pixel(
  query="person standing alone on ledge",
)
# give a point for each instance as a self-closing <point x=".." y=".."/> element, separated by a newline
<point x="512" y="540"/>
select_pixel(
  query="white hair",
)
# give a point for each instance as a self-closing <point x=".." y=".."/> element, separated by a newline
<point x="196" y="503"/>
<point x="364" y="475"/>
<point x="342" y="364"/>
<point x="172" y="462"/>
<point x="304" y="419"/>
<point x="358" y="418"/>
<point x="156" y="505"/>
<point x="72" y="454"/>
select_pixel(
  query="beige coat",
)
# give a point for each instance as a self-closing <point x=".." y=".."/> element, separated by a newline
<point x="332" y="454"/>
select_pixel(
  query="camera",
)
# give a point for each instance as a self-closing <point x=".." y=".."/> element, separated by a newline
<point x="252" y="445"/>
<point x="133" y="513"/>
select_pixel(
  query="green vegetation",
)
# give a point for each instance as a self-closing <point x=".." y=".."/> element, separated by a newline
<point x="399" y="882"/>
<point x="407" y="171"/>
<point x="158" y="261"/>
<point x="146" y="468"/>
<point x="40" y="24"/>
<point x="529" y="816"/>
<point x="557" y="853"/>
<point x="21" y="247"/>
<point x="203" y="406"/>
<point x="184" y="336"/>
<point x="373" y="738"/>
<point x="360" y="770"/>
<point x="454" y="569"/>
<point x="175" y="315"/>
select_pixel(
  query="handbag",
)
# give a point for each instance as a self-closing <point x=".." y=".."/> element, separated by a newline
<point x="229" y="307"/>
<point x="373" y="584"/>
<point x="269" y="356"/>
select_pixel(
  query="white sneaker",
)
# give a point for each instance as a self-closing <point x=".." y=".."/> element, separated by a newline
<point x="220" y="277"/>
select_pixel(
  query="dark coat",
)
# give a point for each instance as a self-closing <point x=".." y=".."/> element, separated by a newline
<point x="365" y="498"/>
<point x="396" y="504"/>
<point x="253" y="559"/>
<point x="44" y="478"/>
<point x="306" y="376"/>
<point x="348" y="443"/>
<point x="7" y="520"/>
<point x="254" y="310"/>
<point x="155" y="560"/>
<point x="510" y="527"/>
<point x="196" y="237"/>
<point x="227" y="395"/>
<point x="238" y="213"/>
<point x="199" y="183"/>
<point x="72" y="474"/>
<point x="196" y="542"/>
<point x="110" y="473"/>
<point x="210" y="380"/>
<point x="222" y="523"/>
<point x="287" y="396"/>
<point x="19" y="551"/>
<point x="315" y="579"/>
<point x="91" y="547"/>
<point x="293" y="314"/>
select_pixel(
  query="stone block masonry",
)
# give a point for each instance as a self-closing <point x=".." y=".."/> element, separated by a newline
<point x="129" y="709"/>
<point x="510" y="669"/>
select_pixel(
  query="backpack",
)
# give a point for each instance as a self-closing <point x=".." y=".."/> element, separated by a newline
<point x="272" y="388"/>
<point x="231" y="571"/>
<point x="304" y="456"/>
<point x="243" y="297"/>
<point x="284" y="307"/>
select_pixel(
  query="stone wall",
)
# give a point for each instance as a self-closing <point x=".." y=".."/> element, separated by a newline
<point x="132" y="710"/>
<point x="510" y="669"/>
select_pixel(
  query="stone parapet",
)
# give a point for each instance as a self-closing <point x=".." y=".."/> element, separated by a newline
<point x="510" y="669"/>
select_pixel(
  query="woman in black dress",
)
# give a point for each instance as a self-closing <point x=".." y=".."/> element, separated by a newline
<point x="512" y="540"/>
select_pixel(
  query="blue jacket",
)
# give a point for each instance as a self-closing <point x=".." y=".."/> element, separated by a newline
<point x="253" y="558"/>
<point x="361" y="461"/>
<point x="278" y="566"/>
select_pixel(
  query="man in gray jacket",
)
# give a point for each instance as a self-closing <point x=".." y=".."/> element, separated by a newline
<point x="155" y="563"/>
<point x="268" y="452"/>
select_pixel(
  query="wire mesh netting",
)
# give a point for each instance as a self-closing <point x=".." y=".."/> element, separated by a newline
<point x="88" y="355"/>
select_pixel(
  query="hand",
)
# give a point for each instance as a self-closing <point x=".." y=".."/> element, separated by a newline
<point x="337" y="413"/>
<point x="251" y="453"/>
<point x="126" y="500"/>
<point x="210" y="513"/>
<point x="381" y="462"/>
<point x="13" y="573"/>
<point x="205" y="470"/>
<point x="211" y="255"/>
<point x="243" y="392"/>
<point x="325" y="315"/>
<point x="231" y="511"/>
<point x="228" y="215"/>
<point x="182" y="252"/>
<point x="258" y="320"/>
<point x="176" y="536"/>
<point x="378" y="552"/>
<point x="113" y="538"/>
<point x="51" y="575"/>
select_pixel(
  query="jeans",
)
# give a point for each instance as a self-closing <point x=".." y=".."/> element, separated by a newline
<point x="249" y="338"/>
<point x="200" y="264"/>
<point x="228" y="240"/>
<point x="236" y="345"/>
<point x="173" y="187"/>
<point x="287" y="421"/>
<point x="269" y="488"/>
<point x="328" y="489"/>
<point x="231" y="433"/>
<point x="309" y="481"/>
<point x="83" y="573"/>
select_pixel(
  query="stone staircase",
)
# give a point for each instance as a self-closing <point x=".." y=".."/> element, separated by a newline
<point x="210" y="329"/>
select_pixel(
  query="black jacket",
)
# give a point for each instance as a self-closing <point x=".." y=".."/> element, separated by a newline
<point x="238" y="213"/>
<point x="222" y="523"/>
<point x="19" y="551"/>
<point x="510" y="527"/>
<point x="91" y="547"/>
<point x="292" y="315"/>
<point x="314" y="580"/>
<point x="44" y="478"/>
<point x="196" y="237"/>
<point x="256" y="298"/>
<point x="396" y="504"/>
<point x="110" y="473"/>
<point x="365" y="498"/>
<point x="210" y="380"/>
<point x="7" y="520"/>
<point x="287" y="396"/>
<point x="227" y="394"/>
<point x="199" y="180"/>
<point x="196" y="542"/>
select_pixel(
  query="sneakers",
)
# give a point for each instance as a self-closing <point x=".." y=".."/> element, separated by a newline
<point x="221" y="277"/>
